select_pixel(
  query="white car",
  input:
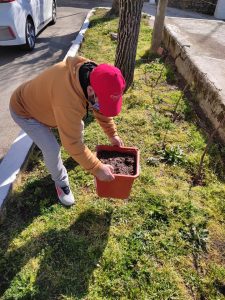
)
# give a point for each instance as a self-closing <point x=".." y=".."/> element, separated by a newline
<point x="22" y="20"/>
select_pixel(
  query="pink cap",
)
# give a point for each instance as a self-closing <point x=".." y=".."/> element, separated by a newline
<point x="108" y="84"/>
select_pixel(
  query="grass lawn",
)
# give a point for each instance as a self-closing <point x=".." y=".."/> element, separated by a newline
<point x="166" y="241"/>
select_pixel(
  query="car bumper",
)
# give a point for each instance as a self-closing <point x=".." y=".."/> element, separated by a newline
<point x="10" y="32"/>
<point x="10" y="41"/>
<point x="8" y="36"/>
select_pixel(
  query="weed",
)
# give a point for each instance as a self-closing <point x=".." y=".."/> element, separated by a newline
<point x="196" y="235"/>
<point x="172" y="155"/>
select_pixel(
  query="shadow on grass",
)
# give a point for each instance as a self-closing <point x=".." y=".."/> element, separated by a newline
<point x="147" y="57"/>
<point x="22" y="208"/>
<point x="67" y="258"/>
<point x="37" y="196"/>
<point x="101" y="20"/>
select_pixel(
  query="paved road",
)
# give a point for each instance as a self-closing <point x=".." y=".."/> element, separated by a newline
<point x="52" y="45"/>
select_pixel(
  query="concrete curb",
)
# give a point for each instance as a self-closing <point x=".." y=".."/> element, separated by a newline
<point x="14" y="160"/>
<point x="12" y="164"/>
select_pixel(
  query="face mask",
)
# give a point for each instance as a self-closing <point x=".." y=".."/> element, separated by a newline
<point x="95" y="105"/>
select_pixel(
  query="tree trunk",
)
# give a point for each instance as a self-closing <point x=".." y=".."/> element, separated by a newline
<point x="114" y="11"/>
<point x="128" y="32"/>
<point x="158" y="25"/>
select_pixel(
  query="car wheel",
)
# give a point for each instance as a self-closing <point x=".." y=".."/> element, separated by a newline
<point x="30" y="35"/>
<point x="54" y="13"/>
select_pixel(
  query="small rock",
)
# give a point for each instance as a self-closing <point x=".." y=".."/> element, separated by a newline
<point x="153" y="161"/>
<point x="113" y="36"/>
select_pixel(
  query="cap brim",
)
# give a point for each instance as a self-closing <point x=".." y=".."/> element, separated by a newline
<point x="110" y="109"/>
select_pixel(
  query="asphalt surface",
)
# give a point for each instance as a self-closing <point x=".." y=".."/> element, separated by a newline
<point x="17" y="66"/>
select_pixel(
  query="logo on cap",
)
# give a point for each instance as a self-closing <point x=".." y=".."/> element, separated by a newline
<point x="115" y="97"/>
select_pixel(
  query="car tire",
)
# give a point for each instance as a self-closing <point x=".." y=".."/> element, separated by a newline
<point x="30" y="35"/>
<point x="54" y="13"/>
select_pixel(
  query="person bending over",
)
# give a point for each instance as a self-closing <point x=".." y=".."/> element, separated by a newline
<point x="60" y="98"/>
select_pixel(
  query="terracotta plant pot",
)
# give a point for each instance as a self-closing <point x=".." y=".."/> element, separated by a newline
<point x="121" y="186"/>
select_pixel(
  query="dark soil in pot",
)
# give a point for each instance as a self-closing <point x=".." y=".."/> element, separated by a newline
<point x="123" y="163"/>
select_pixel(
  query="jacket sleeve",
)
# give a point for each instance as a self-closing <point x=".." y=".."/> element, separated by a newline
<point x="108" y="125"/>
<point x="68" y="121"/>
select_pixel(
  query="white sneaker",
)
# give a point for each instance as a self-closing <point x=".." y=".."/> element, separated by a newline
<point x="65" y="195"/>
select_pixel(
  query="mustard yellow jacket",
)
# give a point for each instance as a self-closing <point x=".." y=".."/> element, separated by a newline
<point x="55" y="98"/>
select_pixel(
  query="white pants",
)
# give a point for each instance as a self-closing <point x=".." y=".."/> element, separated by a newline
<point x="43" y="137"/>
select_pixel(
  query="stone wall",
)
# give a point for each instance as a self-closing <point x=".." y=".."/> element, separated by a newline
<point x="200" y="6"/>
<point x="209" y="100"/>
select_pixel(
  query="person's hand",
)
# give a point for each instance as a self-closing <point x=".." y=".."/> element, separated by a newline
<point x="116" y="141"/>
<point x="105" y="173"/>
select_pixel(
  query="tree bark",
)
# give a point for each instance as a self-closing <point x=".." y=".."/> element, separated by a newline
<point x="158" y="25"/>
<point x="114" y="11"/>
<point x="128" y="32"/>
